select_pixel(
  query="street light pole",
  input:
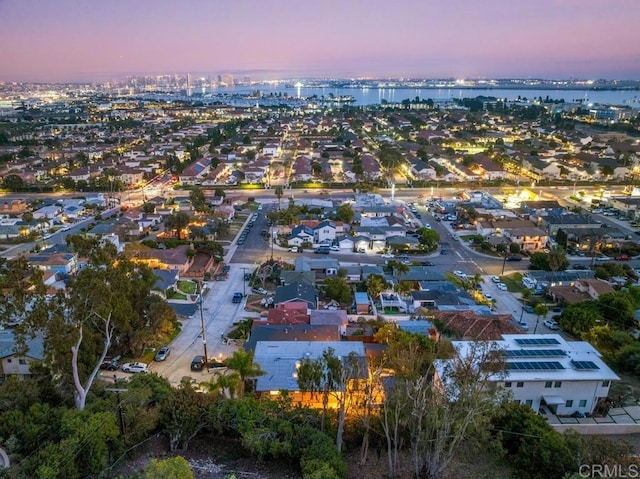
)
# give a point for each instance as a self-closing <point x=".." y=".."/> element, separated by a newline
<point x="504" y="262"/>
<point x="204" y="332"/>
<point x="244" y="281"/>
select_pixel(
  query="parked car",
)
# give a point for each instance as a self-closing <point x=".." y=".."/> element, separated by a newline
<point x="460" y="274"/>
<point x="197" y="363"/>
<point x="427" y="263"/>
<point x="110" y="363"/>
<point x="524" y="326"/>
<point x="551" y="324"/>
<point x="623" y="257"/>
<point x="334" y="248"/>
<point x="495" y="279"/>
<point x="443" y="252"/>
<point x="163" y="353"/>
<point x="488" y="297"/>
<point x="237" y="297"/>
<point x="294" y="249"/>
<point x="514" y="258"/>
<point x="579" y="266"/>
<point x="528" y="309"/>
<point x="226" y="268"/>
<point x="135" y="367"/>
<point x="388" y="255"/>
<point x="361" y="250"/>
<point x="322" y="250"/>
<point x="502" y="286"/>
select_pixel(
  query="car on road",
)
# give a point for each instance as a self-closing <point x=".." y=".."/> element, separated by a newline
<point x="443" y="252"/>
<point x="197" y="363"/>
<point x="460" y="274"/>
<point x="417" y="215"/>
<point x="110" y="363"/>
<point x="427" y="263"/>
<point x="237" y="297"/>
<point x="502" y="286"/>
<point x="388" y="255"/>
<point x="514" y="258"/>
<point x="623" y="257"/>
<point x="524" y="326"/>
<point x="495" y="279"/>
<point x="294" y="249"/>
<point x="322" y="250"/>
<point x="226" y="268"/>
<point x="135" y="367"/>
<point x="488" y="297"/>
<point x="163" y="353"/>
<point x="551" y="324"/>
<point x="247" y="276"/>
<point x="528" y="308"/>
<point x="602" y="258"/>
<point x="579" y="266"/>
<point x="334" y="248"/>
<point x="361" y="250"/>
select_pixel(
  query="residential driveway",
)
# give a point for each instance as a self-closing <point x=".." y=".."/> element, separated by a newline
<point x="218" y="316"/>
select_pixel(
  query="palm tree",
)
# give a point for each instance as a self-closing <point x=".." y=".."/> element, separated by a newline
<point x="242" y="363"/>
<point x="227" y="384"/>
<point x="279" y="192"/>
<point x="556" y="258"/>
<point x="539" y="310"/>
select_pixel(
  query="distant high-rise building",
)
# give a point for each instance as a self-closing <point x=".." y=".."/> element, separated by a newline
<point x="227" y="80"/>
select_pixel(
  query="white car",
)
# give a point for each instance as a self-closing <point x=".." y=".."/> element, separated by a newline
<point x="334" y="248"/>
<point x="551" y="324"/>
<point x="460" y="274"/>
<point x="495" y="279"/>
<point x="488" y="297"/>
<point x="502" y="286"/>
<point x="135" y="367"/>
<point x="524" y="326"/>
<point x="388" y="255"/>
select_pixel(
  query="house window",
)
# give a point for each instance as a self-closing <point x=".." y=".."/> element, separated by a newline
<point x="8" y="360"/>
<point x="519" y="384"/>
<point x="548" y="384"/>
<point x="583" y="403"/>
<point x="507" y="384"/>
<point x="529" y="402"/>
<point x="605" y="384"/>
<point x="22" y="362"/>
<point x="569" y="403"/>
<point x="558" y="384"/>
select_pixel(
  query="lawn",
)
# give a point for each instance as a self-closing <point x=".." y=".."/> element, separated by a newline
<point x="454" y="279"/>
<point x="178" y="295"/>
<point x="187" y="287"/>
<point x="513" y="283"/>
<point x="627" y="390"/>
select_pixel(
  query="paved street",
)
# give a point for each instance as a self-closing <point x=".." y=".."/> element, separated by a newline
<point x="218" y="313"/>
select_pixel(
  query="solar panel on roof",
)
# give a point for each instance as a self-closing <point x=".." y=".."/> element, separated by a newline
<point x="536" y="341"/>
<point x="584" y="365"/>
<point x="535" y="353"/>
<point x="534" y="366"/>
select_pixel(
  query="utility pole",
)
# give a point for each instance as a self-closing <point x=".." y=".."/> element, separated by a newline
<point x="204" y="332"/>
<point x="504" y="262"/>
<point x="118" y="390"/>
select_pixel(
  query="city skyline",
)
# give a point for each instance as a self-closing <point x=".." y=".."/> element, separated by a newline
<point x="70" y="40"/>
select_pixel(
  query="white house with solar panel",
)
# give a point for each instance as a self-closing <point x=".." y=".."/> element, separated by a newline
<point x="545" y="371"/>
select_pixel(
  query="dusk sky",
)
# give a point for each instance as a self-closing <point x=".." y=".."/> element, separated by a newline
<point x="67" y="40"/>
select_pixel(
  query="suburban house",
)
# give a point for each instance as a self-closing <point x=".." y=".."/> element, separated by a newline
<point x="296" y="292"/>
<point x="300" y="234"/>
<point x="544" y="371"/>
<point x="552" y="223"/>
<point x="14" y="361"/>
<point x="195" y="172"/>
<point x="57" y="262"/>
<point x="173" y="258"/>
<point x="528" y="238"/>
<point x="324" y="232"/>
<point x="165" y="280"/>
<point x="584" y="289"/>
<point x="281" y="360"/>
